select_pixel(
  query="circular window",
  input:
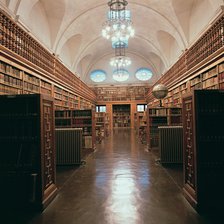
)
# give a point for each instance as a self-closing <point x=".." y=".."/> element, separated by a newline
<point x="120" y="75"/>
<point x="143" y="74"/>
<point x="98" y="75"/>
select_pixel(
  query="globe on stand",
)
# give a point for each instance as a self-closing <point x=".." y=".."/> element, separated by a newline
<point x="160" y="91"/>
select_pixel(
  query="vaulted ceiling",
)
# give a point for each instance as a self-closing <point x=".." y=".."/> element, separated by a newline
<point x="71" y="29"/>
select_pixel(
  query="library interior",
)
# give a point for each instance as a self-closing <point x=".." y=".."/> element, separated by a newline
<point x="112" y="112"/>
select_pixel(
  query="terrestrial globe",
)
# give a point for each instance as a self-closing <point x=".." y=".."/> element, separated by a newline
<point x="160" y="91"/>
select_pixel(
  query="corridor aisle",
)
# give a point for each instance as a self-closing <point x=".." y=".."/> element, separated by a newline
<point x="120" y="184"/>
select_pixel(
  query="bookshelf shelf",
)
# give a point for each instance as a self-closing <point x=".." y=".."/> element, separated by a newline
<point x="121" y="115"/>
<point x="210" y="77"/>
<point x="78" y="119"/>
<point x="141" y="126"/>
<point x="101" y="126"/>
<point x="160" y="116"/>
<point x="22" y="80"/>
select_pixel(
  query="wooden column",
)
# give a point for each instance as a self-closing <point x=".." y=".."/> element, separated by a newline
<point x="133" y="110"/>
<point x="109" y="110"/>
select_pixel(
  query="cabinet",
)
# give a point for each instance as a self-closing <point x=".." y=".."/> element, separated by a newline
<point x="27" y="161"/>
<point x="203" y="122"/>
<point x="160" y="116"/>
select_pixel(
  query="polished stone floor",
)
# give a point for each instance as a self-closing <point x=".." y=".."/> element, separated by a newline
<point x="121" y="183"/>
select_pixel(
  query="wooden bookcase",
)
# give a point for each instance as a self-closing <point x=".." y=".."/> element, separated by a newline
<point x="84" y="119"/>
<point x="141" y="125"/>
<point x="27" y="162"/>
<point x="63" y="119"/>
<point x="107" y="124"/>
<point x="210" y="76"/>
<point x="102" y="125"/>
<point x="203" y="122"/>
<point x="15" y="80"/>
<point x="64" y="99"/>
<point x="140" y="119"/>
<point x="121" y="115"/>
<point x="84" y="104"/>
<point x="160" y="116"/>
<point x="11" y="80"/>
<point x="176" y="95"/>
<point x="221" y="76"/>
<point x="136" y="122"/>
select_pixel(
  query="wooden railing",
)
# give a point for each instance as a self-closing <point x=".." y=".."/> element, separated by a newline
<point x="20" y="42"/>
<point x="207" y="45"/>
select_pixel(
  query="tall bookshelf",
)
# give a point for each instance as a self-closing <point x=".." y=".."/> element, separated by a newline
<point x="221" y="76"/>
<point x="160" y="116"/>
<point x="85" y="105"/>
<point x="121" y="115"/>
<point x="203" y="122"/>
<point x="27" y="161"/>
<point x="106" y="124"/>
<point x="210" y="76"/>
<point x="141" y="125"/>
<point x="15" y="79"/>
<point x="85" y="119"/>
<point x="11" y="80"/>
<point x="64" y="119"/>
<point x="102" y="125"/>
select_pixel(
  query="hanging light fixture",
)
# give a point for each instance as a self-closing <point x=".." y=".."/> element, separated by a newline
<point x="120" y="60"/>
<point x="120" y="75"/>
<point x="118" y="26"/>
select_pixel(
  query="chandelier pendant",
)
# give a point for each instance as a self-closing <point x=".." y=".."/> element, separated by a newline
<point x="120" y="60"/>
<point x="118" y="27"/>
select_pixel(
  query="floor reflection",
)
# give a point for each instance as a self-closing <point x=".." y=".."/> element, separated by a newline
<point x="122" y="204"/>
<point x="120" y="184"/>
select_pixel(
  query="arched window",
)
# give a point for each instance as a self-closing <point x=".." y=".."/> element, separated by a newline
<point x="98" y="75"/>
<point x="143" y="74"/>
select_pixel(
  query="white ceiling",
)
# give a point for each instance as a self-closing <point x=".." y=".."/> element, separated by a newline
<point x="71" y="29"/>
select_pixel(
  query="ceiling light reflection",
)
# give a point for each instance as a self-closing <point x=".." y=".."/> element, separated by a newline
<point x="122" y="203"/>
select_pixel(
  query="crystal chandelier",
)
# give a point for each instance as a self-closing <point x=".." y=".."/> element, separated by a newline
<point x="120" y="60"/>
<point x="120" y="75"/>
<point x="118" y="27"/>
